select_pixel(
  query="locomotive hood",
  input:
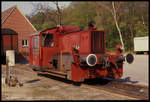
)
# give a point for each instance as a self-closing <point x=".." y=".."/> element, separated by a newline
<point x="62" y="29"/>
<point x="67" y="29"/>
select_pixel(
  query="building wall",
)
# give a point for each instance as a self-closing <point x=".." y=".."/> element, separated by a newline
<point x="17" y="22"/>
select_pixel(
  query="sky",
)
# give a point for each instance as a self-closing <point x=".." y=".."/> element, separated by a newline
<point x="26" y="7"/>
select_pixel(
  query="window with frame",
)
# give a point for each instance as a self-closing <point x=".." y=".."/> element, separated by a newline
<point x="48" y="40"/>
<point x="25" y="43"/>
<point x="36" y="42"/>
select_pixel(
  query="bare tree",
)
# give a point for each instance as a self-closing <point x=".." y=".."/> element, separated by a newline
<point x="113" y="9"/>
<point x="58" y="12"/>
<point x="39" y="7"/>
<point x="114" y="13"/>
<point x="45" y="7"/>
<point x="46" y="10"/>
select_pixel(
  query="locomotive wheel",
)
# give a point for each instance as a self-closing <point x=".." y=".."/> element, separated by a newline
<point x="114" y="71"/>
<point x="34" y="69"/>
<point x="104" y="81"/>
<point x="76" y="83"/>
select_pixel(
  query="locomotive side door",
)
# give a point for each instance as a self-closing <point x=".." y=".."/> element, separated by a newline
<point x="48" y="49"/>
<point x="36" y="50"/>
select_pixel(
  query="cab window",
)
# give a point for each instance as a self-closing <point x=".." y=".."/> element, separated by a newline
<point x="36" y="42"/>
<point x="48" y="40"/>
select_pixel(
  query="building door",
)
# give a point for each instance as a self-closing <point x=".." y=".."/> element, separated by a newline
<point x="35" y="51"/>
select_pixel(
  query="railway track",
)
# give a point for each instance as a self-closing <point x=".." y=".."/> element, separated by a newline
<point x="135" y="91"/>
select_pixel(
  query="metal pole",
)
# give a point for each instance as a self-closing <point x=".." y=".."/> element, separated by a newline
<point x="60" y="60"/>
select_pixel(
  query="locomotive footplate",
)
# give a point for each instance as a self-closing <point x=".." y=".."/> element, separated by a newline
<point x="55" y="73"/>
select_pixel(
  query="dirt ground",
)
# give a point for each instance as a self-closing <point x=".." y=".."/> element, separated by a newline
<point x="42" y="88"/>
<point x="138" y="72"/>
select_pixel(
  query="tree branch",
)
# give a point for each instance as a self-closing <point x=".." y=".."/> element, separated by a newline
<point x="59" y="12"/>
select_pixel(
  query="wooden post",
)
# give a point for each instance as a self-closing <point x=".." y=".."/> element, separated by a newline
<point x="10" y="61"/>
<point x="7" y="70"/>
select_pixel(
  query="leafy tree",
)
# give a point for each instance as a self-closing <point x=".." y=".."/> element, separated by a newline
<point x="83" y="13"/>
<point x="132" y="19"/>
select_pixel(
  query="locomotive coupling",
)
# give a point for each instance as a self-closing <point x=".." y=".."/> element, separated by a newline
<point x="120" y="58"/>
<point x="129" y="58"/>
<point x="90" y="60"/>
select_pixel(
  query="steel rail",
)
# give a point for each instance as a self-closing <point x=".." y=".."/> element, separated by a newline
<point x="136" y="91"/>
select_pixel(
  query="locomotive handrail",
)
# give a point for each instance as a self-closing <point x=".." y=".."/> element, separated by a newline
<point x="40" y="53"/>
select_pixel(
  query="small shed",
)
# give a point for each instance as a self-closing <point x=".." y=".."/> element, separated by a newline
<point x="15" y="32"/>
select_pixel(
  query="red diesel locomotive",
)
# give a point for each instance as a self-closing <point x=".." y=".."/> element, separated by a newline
<point x="74" y="54"/>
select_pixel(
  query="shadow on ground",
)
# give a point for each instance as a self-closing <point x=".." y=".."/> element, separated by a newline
<point x="127" y="79"/>
<point x="100" y="81"/>
<point x="105" y="81"/>
<point x="31" y="81"/>
<point x="55" y="78"/>
<point x="86" y="81"/>
<point x="19" y="59"/>
<point x="97" y="81"/>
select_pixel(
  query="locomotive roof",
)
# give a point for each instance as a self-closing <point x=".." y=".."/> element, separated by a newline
<point x="61" y="29"/>
<point x="38" y="32"/>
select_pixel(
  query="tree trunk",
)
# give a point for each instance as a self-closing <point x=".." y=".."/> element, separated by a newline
<point x="59" y="13"/>
<point x="114" y="15"/>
